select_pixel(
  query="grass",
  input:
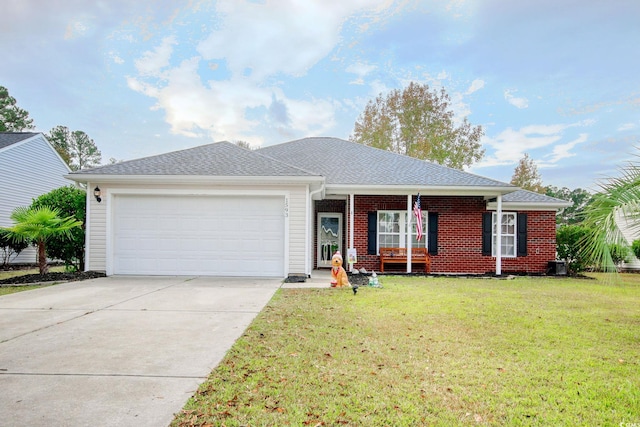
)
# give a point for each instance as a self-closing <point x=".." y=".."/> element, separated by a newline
<point x="434" y="351"/>
<point x="5" y="274"/>
<point x="6" y="290"/>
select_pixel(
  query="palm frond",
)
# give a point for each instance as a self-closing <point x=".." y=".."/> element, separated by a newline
<point x="618" y="201"/>
<point x="40" y="223"/>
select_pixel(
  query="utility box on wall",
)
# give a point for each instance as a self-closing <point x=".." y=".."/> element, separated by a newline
<point x="556" y="268"/>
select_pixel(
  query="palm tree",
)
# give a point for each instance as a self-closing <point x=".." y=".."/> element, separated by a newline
<point x="39" y="224"/>
<point x="618" y="200"/>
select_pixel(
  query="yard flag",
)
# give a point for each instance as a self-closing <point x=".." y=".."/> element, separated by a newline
<point x="417" y="211"/>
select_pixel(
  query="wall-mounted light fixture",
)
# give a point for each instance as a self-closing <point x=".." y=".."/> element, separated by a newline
<point x="97" y="193"/>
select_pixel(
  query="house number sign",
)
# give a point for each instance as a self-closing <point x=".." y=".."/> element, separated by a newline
<point x="286" y="207"/>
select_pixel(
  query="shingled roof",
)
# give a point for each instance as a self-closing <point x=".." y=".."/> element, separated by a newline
<point x="339" y="162"/>
<point x="217" y="159"/>
<point x="349" y="163"/>
<point x="10" y="138"/>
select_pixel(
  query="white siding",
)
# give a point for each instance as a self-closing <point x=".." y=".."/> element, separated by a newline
<point x="101" y="216"/>
<point x="96" y="238"/>
<point x="297" y="230"/>
<point x="630" y="234"/>
<point x="29" y="169"/>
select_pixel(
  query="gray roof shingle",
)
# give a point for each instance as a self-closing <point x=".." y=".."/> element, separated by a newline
<point x="10" y="138"/>
<point x="525" y="196"/>
<point x="216" y="159"/>
<point x="340" y="162"/>
<point x="349" y="163"/>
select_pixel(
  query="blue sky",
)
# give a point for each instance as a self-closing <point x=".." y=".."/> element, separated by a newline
<point x="557" y="79"/>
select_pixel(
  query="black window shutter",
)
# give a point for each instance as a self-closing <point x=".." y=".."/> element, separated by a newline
<point x="522" y="234"/>
<point x="433" y="233"/>
<point x="487" y="232"/>
<point x="372" y="233"/>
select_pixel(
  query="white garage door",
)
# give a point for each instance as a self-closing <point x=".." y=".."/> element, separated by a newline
<point x="198" y="235"/>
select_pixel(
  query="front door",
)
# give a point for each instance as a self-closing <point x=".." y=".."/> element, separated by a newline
<point x="329" y="237"/>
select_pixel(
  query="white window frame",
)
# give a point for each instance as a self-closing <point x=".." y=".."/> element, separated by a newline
<point x="509" y="239"/>
<point x="402" y="233"/>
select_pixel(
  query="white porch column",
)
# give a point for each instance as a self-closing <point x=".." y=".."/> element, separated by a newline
<point x="499" y="236"/>
<point x="351" y="224"/>
<point x="408" y="234"/>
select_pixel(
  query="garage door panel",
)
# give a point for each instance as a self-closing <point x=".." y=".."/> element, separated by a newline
<point x="185" y="235"/>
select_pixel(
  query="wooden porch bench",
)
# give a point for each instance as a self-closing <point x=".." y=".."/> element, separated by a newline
<point x="399" y="256"/>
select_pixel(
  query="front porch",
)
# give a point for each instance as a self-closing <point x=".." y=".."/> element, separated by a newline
<point x="459" y="233"/>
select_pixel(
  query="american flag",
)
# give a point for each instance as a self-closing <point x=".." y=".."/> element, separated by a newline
<point x="417" y="211"/>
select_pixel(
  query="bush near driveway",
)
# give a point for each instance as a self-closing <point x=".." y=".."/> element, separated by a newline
<point x="434" y="351"/>
<point x="71" y="202"/>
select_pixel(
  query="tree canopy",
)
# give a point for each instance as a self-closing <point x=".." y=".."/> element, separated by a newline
<point x="75" y="147"/>
<point x="579" y="198"/>
<point x="526" y="175"/>
<point x="243" y="144"/>
<point x="59" y="138"/>
<point x="12" y="117"/>
<point x="419" y="122"/>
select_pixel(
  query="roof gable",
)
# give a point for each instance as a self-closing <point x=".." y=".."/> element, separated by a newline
<point x="216" y="159"/>
<point x="29" y="147"/>
<point x="8" y="139"/>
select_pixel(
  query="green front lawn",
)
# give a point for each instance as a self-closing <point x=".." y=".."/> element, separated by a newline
<point x="5" y="274"/>
<point x="6" y="290"/>
<point x="434" y="351"/>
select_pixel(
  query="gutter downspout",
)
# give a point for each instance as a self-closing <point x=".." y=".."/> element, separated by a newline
<point x="308" y="255"/>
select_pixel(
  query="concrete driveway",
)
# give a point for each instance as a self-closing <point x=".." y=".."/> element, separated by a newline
<point x="118" y="351"/>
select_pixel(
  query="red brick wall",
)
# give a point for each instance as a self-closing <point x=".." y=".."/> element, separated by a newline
<point x="459" y="234"/>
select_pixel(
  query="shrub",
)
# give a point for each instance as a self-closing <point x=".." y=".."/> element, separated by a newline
<point x="69" y="201"/>
<point x="619" y="253"/>
<point x="635" y="248"/>
<point x="569" y="247"/>
<point x="10" y="247"/>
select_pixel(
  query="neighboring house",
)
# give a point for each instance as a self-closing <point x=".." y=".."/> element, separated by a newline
<point x="30" y="167"/>
<point x="282" y="210"/>
<point x="630" y="232"/>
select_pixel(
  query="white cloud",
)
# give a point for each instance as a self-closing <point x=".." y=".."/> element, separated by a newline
<point x="516" y="102"/>
<point x="378" y="87"/>
<point x="255" y="44"/>
<point x="116" y="58"/>
<point x="76" y="28"/>
<point x="627" y="126"/>
<point x="219" y="110"/>
<point x="190" y="107"/>
<point x="509" y="146"/>
<point x="316" y="116"/>
<point x="460" y="108"/>
<point x="152" y="62"/>
<point x="476" y="85"/>
<point x="361" y="70"/>
<point x="263" y="39"/>
<point x="562" y="151"/>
